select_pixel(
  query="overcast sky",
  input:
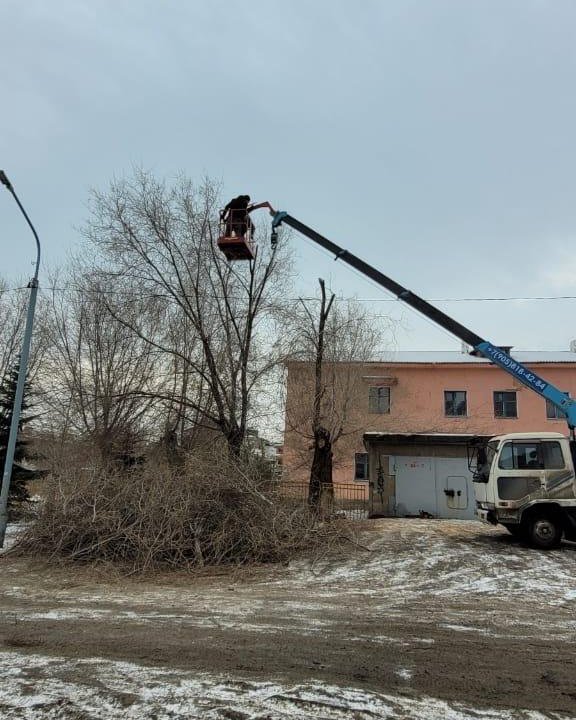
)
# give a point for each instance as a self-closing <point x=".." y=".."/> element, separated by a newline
<point x="435" y="139"/>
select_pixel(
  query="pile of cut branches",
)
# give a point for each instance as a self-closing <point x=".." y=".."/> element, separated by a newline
<point x="205" y="511"/>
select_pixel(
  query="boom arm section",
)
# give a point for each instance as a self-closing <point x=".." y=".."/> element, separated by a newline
<point x="495" y="354"/>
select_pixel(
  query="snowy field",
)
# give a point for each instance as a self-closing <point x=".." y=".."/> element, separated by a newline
<point x="435" y="620"/>
<point x="40" y="687"/>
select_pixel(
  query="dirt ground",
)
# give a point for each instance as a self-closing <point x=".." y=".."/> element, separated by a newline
<point x="438" y="619"/>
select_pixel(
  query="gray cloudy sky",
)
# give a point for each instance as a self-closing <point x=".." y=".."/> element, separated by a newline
<point x="434" y="138"/>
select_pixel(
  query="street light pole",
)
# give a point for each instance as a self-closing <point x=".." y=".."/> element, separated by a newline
<point x="22" y="370"/>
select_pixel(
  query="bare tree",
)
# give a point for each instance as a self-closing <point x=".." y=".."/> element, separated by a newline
<point x="159" y="243"/>
<point x="96" y="370"/>
<point x="13" y="306"/>
<point x="321" y="470"/>
<point x="324" y="338"/>
<point x="183" y="399"/>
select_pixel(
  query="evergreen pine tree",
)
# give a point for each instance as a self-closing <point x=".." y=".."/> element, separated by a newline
<point x="21" y="476"/>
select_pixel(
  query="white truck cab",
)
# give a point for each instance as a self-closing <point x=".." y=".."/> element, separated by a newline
<point x="526" y="482"/>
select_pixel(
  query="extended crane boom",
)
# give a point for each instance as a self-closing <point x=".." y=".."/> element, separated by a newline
<point x="524" y="481"/>
<point x="480" y="346"/>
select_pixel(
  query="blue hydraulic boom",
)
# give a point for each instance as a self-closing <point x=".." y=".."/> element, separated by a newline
<point x="479" y="346"/>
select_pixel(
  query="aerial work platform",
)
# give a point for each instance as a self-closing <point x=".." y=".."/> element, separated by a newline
<point x="235" y="236"/>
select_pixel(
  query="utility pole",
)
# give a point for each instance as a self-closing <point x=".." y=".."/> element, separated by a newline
<point x="22" y="370"/>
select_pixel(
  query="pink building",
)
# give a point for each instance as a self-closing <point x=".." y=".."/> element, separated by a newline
<point x="419" y="405"/>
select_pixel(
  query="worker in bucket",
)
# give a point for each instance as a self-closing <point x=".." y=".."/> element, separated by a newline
<point x="235" y="215"/>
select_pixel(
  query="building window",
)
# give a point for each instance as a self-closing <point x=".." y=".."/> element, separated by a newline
<point x="379" y="400"/>
<point x="360" y="467"/>
<point x="455" y="403"/>
<point x="554" y="413"/>
<point x="505" y="404"/>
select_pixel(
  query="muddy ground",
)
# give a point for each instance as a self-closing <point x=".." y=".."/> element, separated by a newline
<point x="436" y="619"/>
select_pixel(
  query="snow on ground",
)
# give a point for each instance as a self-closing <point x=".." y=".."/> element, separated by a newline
<point x="458" y="571"/>
<point x="12" y="532"/>
<point x="452" y="558"/>
<point x="36" y="687"/>
<point x="432" y="577"/>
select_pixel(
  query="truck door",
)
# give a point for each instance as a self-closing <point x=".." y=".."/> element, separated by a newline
<point x="531" y="469"/>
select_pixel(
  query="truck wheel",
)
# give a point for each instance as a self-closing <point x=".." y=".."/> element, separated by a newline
<point x="545" y="532"/>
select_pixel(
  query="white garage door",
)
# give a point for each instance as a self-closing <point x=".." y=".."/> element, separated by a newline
<point x="441" y="487"/>
<point x="415" y="486"/>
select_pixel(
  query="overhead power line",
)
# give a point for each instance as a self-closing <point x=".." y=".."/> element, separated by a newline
<point x="513" y="298"/>
<point x="482" y="299"/>
<point x="529" y="298"/>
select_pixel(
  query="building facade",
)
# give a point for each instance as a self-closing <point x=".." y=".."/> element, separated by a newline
<point x="417" y="405"/>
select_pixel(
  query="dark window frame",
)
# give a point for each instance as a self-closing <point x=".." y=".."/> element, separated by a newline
<point x="378" y="401"/>
<point x="503" y="404"/>
<point x="455" y="404"/>
<point x="361" y="461"/>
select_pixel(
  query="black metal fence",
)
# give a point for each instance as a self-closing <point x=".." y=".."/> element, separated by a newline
<point x="348" y="500"/>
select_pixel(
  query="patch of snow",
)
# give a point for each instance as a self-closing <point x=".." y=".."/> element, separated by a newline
<point x="35" y="687"/>
<point x="423" y="560"/>
<point x="13" y="530"/>
<point x="404" y="673"/>
<point x="465" y="628"/>
<point x="302" y="624"/>
<point x="64" y="614"/>
<point x="390" y="640"/>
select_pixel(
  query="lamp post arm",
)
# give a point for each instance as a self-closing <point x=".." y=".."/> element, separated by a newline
<point x="5" y="181"/>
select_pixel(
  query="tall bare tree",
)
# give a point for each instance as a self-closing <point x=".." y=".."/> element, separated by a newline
<point x="324" y="338"/>
<point x="321" y="470"/>
<point x="159" y="242"/>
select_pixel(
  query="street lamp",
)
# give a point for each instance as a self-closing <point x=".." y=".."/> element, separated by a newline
<point x="17" y="406"/>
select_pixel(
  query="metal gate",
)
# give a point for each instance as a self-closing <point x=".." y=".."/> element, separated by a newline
<point x="440" y="487"/>
<point x="348" y="500"/>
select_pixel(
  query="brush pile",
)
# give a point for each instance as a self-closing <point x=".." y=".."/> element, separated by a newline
<point x="204" y="511"/>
